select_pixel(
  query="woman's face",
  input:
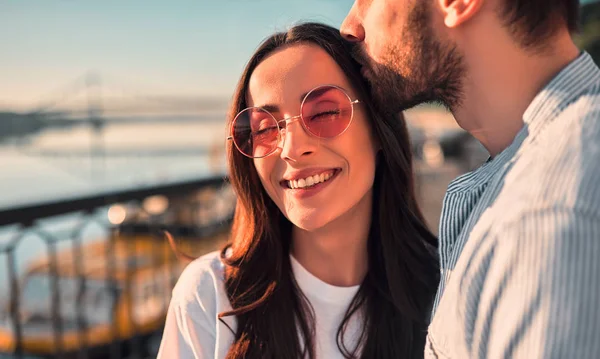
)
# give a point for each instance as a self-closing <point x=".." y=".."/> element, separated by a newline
<point x="343" y="166"/>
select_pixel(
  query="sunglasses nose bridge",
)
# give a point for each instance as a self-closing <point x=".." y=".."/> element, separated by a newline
<point x="289" y="120"/>
<point x="282" y="129"/>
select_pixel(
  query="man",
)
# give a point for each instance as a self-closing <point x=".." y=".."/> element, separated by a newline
<point x="520" y="236"/>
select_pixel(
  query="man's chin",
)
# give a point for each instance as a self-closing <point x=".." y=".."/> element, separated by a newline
<point x="388" y="100"/>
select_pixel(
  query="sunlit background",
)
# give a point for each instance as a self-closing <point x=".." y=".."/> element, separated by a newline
<point x="112" y="128"/>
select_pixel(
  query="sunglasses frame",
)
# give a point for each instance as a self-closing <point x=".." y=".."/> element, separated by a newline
<point x="289" y="120"/>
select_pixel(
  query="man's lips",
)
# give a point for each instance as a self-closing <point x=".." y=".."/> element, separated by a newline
<point x="364" y="71"/>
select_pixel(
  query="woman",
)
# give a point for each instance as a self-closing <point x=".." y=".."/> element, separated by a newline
<point x="329" y="255"/>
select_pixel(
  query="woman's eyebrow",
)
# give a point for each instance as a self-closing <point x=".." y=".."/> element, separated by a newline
<point x="274" y="108"/>
<point x="270" y="108"/>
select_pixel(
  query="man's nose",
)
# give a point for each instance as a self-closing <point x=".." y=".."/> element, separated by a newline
<point x="352" y="29"/>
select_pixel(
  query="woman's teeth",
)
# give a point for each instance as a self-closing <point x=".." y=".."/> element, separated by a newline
<point x="310" y="180"/>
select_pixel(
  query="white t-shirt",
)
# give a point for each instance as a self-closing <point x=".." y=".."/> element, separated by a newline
<point x="192" y="329"/>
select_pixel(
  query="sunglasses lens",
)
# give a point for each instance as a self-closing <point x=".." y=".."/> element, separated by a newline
<point x="255" y="132"/>
<point x="327" y="111"/>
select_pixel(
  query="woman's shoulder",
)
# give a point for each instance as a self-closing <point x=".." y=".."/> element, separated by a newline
<point x="192" y="327"/>
<point x="200" y="286"/>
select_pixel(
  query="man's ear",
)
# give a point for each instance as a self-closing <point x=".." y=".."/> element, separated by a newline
<point x="456" y="12"/>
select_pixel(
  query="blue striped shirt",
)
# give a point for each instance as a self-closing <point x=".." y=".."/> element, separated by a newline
<point x="520" y="236"/>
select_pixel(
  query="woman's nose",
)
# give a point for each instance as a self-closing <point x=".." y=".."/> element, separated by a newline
<point x="297" y="143"/>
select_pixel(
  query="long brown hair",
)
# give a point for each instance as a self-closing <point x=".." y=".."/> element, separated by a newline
<point x="396" y="295"/>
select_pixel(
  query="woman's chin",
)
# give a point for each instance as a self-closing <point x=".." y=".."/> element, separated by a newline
<point x="311" y="221"/>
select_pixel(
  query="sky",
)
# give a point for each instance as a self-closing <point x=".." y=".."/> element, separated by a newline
<point x="176" y="47"/>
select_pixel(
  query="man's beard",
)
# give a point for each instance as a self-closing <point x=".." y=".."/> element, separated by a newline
<point x="435" y="70"/>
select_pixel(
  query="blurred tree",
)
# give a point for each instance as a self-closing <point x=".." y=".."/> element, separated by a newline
<point x="589" y="36"/>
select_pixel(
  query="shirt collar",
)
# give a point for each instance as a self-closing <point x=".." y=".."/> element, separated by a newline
<point x="568" y="85"/>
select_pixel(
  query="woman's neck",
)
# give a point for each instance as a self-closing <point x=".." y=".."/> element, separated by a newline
<point x="337" y="253"/>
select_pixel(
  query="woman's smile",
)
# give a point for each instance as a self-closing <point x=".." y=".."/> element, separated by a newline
<point x="309" y="182"/>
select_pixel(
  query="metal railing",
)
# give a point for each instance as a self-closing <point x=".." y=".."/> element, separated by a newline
<point x="55" y="306"/>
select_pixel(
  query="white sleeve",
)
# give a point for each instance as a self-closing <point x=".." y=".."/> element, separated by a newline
<point x="187" y="335"/>
<point x="191" y="325"/>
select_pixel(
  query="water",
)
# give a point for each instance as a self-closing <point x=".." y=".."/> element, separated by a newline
<point x="138" y="155"/>
<point x="147" y="154"/>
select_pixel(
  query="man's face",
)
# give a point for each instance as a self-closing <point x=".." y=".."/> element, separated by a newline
<point x="404" y="59"/>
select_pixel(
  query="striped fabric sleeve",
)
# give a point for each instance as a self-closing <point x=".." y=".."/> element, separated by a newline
<point x="535" y="292"/>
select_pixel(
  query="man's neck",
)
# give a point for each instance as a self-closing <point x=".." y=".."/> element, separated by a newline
<point x="500" y="86"/>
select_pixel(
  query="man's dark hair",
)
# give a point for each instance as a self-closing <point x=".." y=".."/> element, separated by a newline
<point x="534" y="22"/>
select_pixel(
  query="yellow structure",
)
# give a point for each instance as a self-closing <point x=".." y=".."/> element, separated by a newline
<point x="108" y="291"/>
